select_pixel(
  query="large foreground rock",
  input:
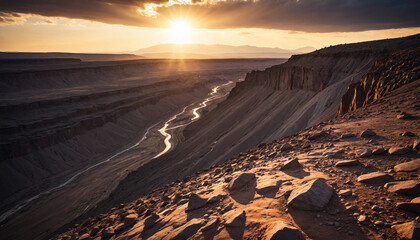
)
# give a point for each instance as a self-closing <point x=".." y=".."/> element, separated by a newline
<point x="411" y="166"/>
<point x="195" y="202"/>
<point x="410" y="230"/>
<point x="411" y="187"/>
<point x="374" y="178"/>
<point x="241" y="181"/>
<point x="313" y="195"/>
<point x="280" y="230"/>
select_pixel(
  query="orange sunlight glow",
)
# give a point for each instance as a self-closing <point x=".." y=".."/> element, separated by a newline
<point x="181" y="31"/>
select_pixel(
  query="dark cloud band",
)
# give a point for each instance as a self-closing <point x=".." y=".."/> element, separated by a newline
<point x="298" y="15"/>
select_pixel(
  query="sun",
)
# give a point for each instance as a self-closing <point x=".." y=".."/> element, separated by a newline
<point x="181" y="31"/>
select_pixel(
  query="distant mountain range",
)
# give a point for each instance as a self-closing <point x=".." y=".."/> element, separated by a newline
<point x="216" y="51"/>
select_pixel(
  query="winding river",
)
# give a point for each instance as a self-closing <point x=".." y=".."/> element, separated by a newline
<point x="164" y="131"/>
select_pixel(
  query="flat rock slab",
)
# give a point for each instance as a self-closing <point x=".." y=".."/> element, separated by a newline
<point x="195" y="202"/>
<point x="280" y="230"/>
<point x="398" y="150"/>
<point x="235" y="218"/>
<point x="313" y="196"/>
<point x="410" y="187"/>
<point x="345" y="192"/>
<point x="347" y="163"/>
<point x="267" y="186"/>
<point x="411" y="166"/>
<point x="241" y="181"/>
<point x="187" y="230"/>
<point x="294" y="163"/>
<point x="409" y="230"/>
<point x="413" y="206"/>
<point x="374" y="178"/>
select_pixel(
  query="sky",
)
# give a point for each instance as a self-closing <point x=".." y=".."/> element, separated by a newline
<point x="127" y="25"/>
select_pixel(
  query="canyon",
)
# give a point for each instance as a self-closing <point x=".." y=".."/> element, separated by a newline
<point x="229" y="118"/>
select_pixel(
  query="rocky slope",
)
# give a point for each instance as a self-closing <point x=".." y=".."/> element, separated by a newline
<point x="354" y="177"/>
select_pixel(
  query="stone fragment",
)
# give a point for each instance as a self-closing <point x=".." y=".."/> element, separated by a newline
<point x="398" y="150"/>
<point x="412" y="206"/>
<point x="151" y="220"/>
<point x="285" y="147"/>
<point x="227" y="208"/>
<point x="241" y="181"/>
<point x="267" y="186"/>
<point x="235" y="218"/>
<point x="410" y="187"/>
<point x="411" y="166"/>
<point x="318" y="135"/>
<point x="416" y="144"/>
<point x="211" y="225"/>
<point x="374" y="178"/>
<point x="85" y="236"/>
<point x="366" y="153"/>
<point x="347" y="135"/>
<point x="345" y="192"/>
<point x="347" y="163"/>
<point x="404" y="115"/>
<point x="280" y="230"/>
<point x="313" y="195"/>
<point x="408" y="134"/>
<point x="294" y="163"/>
<point x="108" y="232"/>
<point x="409" y="230"/>
<point x="379" y="151"/>
<point x="130" y="219"/>
<point x="368" y="133"/>
<point x="361" y="218"/>
<point x="215" y="198"/>
<point x="195" y="202"/>
<point x="188" y="230"/>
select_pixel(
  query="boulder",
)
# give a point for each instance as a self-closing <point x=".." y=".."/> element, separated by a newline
<point x="409" y="230"/>
<point x="347" y="163"/>
<point x="108" y="232"/>
<point x="280" y="230"/>
<point x="151" y="220"/>
<point x="345" y="192"/>
<point x="211" y="225"/>
<point x="215" y="198"/>
<point x="313" y="195"/>
<point x="235" y="218"/>
<point x="195" y="202"/>
<point x="85" y="236"/>
<point x="187" y="230"/>
<point x="130" y="219"/>
<point x="374" y="178"/>
<point x="294" y="163"/>
<point x="366" y="153"/>
<point x="241" y="181"/>
<point x="411" y="166"/>
<point x="413" y="206"/>
<point x="410" y="187"/>
<point x="416" y="144"/>
<point x="347" y="135"/>
<point x="318" y="135"/>
<point x="398" y="150"/>
<point x="368" y="133"/>
<point x="404" y="115"/>
<point x="379" y="151"/>
<point x="267" y="186"/>
<point x="285" y="147"/>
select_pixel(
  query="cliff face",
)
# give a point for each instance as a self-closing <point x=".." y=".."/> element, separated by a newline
<point x="387" y="74"/>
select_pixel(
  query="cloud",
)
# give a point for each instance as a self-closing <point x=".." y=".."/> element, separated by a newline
<point x="293" y="15"/>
